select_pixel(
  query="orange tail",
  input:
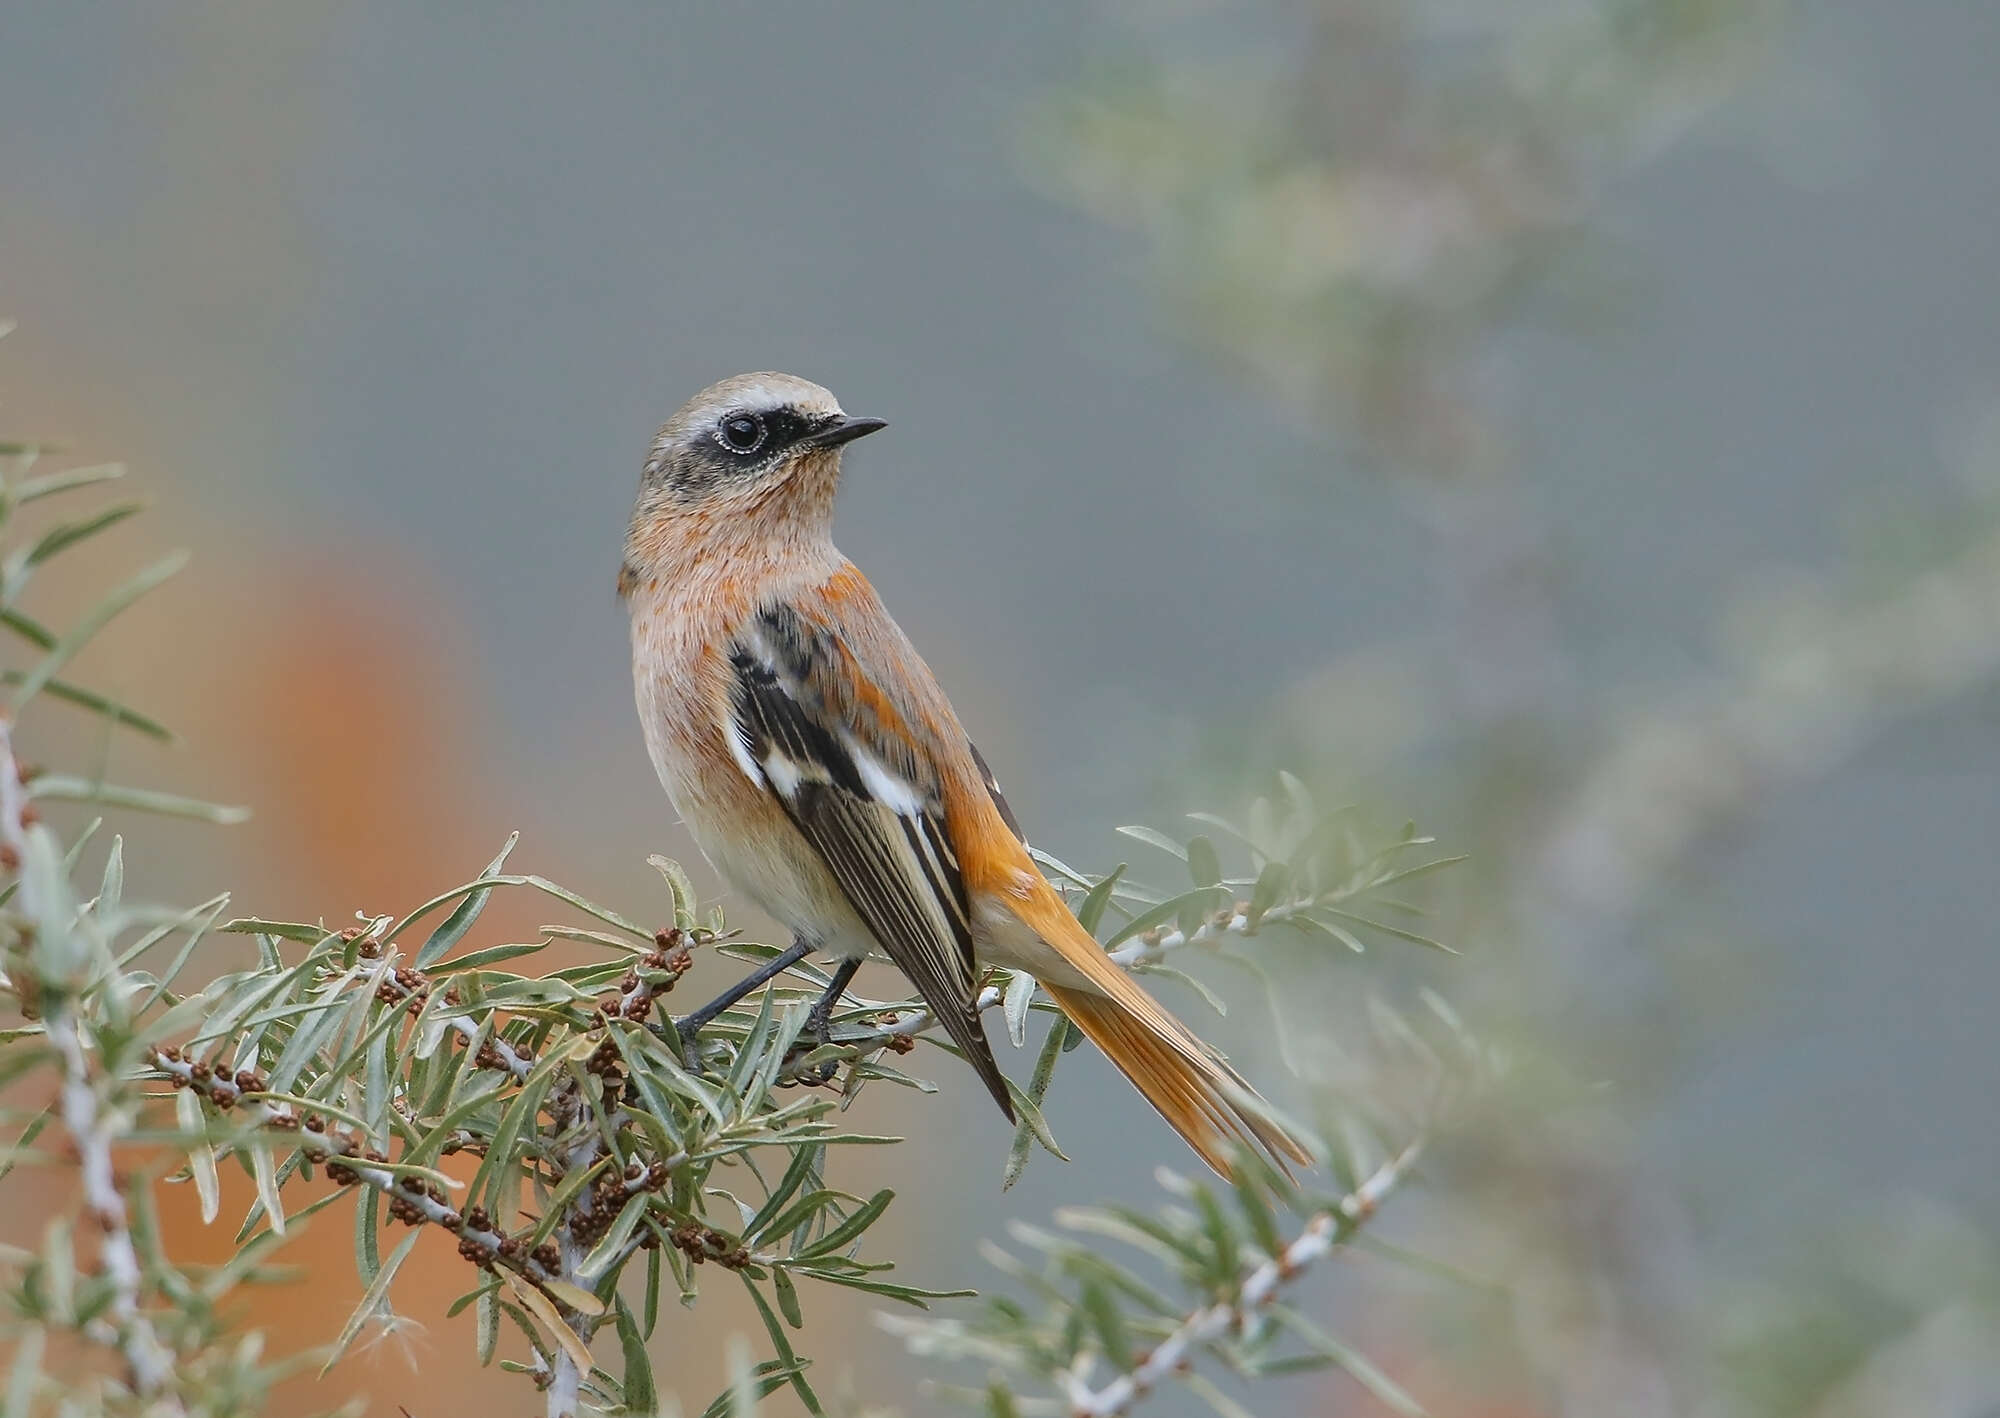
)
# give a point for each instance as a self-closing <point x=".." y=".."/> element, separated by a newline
<point x="1205" y="1100"/>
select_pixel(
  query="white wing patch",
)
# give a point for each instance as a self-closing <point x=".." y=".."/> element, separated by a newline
<point x="883" y="786"/>
<point x="783" y="774"/>
<point x="881" y="836"/>
<point x="739" y="749"/>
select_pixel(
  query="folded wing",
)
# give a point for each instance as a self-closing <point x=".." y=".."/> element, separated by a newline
<point x="868" y="804"/>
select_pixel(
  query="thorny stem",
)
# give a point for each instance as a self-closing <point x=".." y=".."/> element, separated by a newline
<point x="149" y="1361"/>
<point x="279" y="1118"/>
<point x="566" y="1383"/>
<point x="562" y="1377"/>
<point x="573" y="1139"/>
<point x="1323" y="1233"/>
<point x="1142" y="950"/>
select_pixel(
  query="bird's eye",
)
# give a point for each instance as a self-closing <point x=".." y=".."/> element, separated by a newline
<point x="742" y="433"/>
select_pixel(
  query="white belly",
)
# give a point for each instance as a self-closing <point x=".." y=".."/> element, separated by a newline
<point x="780" y="874"/>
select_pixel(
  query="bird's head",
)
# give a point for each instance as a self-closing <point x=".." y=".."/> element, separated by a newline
<point x="755" y="444"/>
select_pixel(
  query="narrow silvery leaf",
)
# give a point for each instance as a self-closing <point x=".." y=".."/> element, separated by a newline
<point x="795" y="1370"/>
<point x="1090" y="911"/>
<point x="372" y="1300"/>
<point x="1038" y="1087"/>
<point x="266" y="1170"/>
<point x="1208" y="997"/>
<point x="1153" y="837"/>
<point x="489" y="1323"/>
<point x="599" y="1260"/>
<point x="29" y="489"/>
<point x="543" y="1309"/>
<point x="639" y="1392"/>
<point x="679" y="887"/>
<point x="59" y="1272"/>
<point x="64" y="788"/>
<point x="1200" y="900"/>
<point x="201" y="1157"/>
<point x="1105" y="1318"/>
<point x="111" y="892"/>
<point x="67" y="534"/>
<point x="285" y="930"/>
<point x="367" y="1235"/>
<point x="1272" y="885"/>
<point x="788" y="1299"/>
<point x="453" y="928"/>
<point x="805" y="1161"/>
<point x="850" y="1230"/>
<point x="742" y="1380"/>
<point x="27" y="1370"/>
<point x="1020" y="994"/>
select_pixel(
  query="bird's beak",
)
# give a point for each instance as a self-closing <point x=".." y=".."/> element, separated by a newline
<point x="845" y="430"/>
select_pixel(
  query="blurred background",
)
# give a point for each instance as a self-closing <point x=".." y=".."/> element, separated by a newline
<point x="1574" y="424"/>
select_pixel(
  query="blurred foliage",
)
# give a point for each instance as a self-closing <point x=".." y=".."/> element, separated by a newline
<point x="1349" y="198"/>
<point x="1350" y="205"/>
<point x="589" y="1163"/>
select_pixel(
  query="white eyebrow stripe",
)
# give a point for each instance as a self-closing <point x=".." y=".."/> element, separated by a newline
<point x="883" y="786"/>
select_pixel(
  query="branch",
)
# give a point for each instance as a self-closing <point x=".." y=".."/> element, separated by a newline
<point x="149" y="1361"/>
<point x="412" y="1199"/>
<point x="1325" y="1231"/>
<point x="905" y="1024"/>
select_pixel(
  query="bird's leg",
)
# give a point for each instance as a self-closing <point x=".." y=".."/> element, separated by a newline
<point x="819" y="1024"/>
<point x="690" y="1024"/>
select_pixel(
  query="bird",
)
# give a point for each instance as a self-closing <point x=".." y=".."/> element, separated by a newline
<point x="819" y="767"/>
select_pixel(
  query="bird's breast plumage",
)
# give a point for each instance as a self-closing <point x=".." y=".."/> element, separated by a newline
<point x="682" y="683"/>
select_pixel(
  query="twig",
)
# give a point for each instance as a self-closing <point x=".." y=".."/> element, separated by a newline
<point x="331" y="1151"/>
<point x="1322" y="1233"/>
<point x="149" y="1360"/>
<point x="1141" y="950"/>
<point x="1146" y="948"/>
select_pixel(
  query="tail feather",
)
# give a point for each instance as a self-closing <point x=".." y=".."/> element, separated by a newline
<point x="1205" y="1100"/>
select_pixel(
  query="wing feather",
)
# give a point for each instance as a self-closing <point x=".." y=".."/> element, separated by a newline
<point x="880" y="831"/>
